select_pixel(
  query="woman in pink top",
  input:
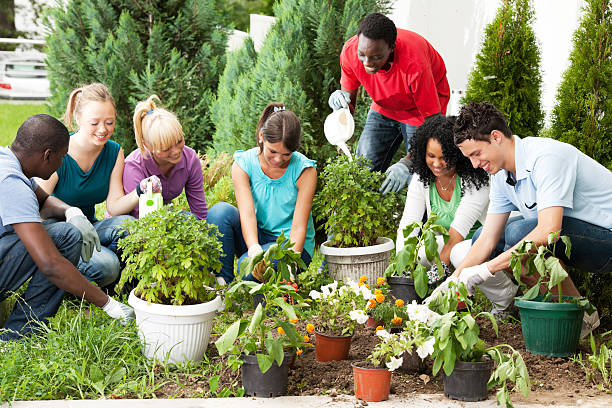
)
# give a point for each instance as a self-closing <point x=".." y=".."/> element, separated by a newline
<point x="162" y="153"/>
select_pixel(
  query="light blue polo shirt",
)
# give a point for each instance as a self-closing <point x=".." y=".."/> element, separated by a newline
<point x="18" y="202"/>
<point x="550" y="173"/>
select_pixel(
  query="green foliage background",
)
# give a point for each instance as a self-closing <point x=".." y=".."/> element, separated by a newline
<point x="507" y="70"/>
<point x="583" y="114"/>
<point x="175" y="49"/>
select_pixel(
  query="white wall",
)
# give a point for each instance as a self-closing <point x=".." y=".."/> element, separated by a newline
<point x="456" y="27"/>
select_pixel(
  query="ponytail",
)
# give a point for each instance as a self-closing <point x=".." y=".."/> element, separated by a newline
<point x="79" y="97"/>
<point x="155" y="128"/>
<point x="279" y="125"/>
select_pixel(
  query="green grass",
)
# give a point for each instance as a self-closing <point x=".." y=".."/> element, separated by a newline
<point x="12" y="116"/>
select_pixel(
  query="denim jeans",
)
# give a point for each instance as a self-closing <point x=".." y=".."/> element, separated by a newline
<point x="104" y="266"/>
<point x="380" y="139"/>
<point x="226" y="217"/>
<point x="591" y="245"/>
<point x="41" y="298"/>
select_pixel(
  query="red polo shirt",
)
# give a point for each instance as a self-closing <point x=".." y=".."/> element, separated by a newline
<point x="414" y="87"/>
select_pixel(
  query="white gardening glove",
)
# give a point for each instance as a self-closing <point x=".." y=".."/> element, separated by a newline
<point x="474" y="276"/>
<point x="118" y="310"/>
<point x="441" y="289"/>
<point x="156" y="185"/>
<point x="339" y="99"/>
<point x="254" y="250"/>
<point x="75" y="217"/>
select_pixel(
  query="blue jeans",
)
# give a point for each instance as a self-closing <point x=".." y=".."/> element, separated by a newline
<point x="104" y="267"/>
<point x="41" y="298"/>
<point x="591" y="245"/>
<point x="380" y="139"/>
<point x="226" y="217"/>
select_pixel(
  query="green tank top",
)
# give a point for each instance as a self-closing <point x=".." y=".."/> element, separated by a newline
<point x="86" y="189"/>
<point x="446" y="209"/>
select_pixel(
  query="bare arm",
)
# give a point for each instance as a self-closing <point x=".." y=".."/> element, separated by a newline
<point x="246" y="207"/>
<point x="48" y="185"/>
<point x="306" y="184"/>
<point x="54" y="266"/>
<point x="117" y="202"/>
<point x="50" y="207"/>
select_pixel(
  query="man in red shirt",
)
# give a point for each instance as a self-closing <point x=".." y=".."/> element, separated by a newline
<point x="406" y="79"/>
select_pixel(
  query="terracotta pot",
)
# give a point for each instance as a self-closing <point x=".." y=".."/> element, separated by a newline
<point x="371" y="384"/>
<point x="328" y="348"/>
<point x="372" y="322"/>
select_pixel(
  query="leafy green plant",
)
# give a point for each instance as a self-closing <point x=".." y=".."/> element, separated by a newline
<point x="391" y="312"/>
<point x="598" y="361"/>
<point x="406" y="261"/>
<point x="354" y="211"/>
<point x="173" y="256"/>
<point x="387" y="353"/>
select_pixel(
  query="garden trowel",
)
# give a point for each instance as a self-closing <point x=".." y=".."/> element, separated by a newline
<point x="339" y="127"/>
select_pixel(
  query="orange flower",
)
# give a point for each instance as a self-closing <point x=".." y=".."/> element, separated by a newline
<point x="380" y="281"/>
<point x="280" y="330"/>
<point x="396" y="320"/>
<point x="367" y="286"/>
<point x="294" y="321"/>
<point x="306" y="339"/>
<point x="310" y="328"/>
<point x="371" y="303"/>
<point x="399" y="302"/>
<point x="299" y="351"/>
<point x="378" y="328"/>
<point x="378" y="292"/>
<point x="363" y="279"/>
<point x="380" y="298"/>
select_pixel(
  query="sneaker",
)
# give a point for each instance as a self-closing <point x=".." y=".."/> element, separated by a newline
<point x="504" y="314"/>
<point x="589" y="323"/>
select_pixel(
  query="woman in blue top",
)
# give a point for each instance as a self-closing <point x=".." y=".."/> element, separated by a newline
<point x="91" y="173"/>
<point x="274" y="186"/>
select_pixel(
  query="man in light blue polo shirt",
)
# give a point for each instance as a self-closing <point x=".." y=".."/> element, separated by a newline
<point x="553" y="185"/>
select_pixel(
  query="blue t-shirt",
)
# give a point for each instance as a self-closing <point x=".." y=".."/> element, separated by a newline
<point x="86" y="189"/>
<point x="550" y="173"/>
<point x="275" y="199"/>
<point x="18" y="202"/>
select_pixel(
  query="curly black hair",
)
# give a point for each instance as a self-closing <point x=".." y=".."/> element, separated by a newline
<point x="377" y="26"/>
<point x="440" y="128"/>
<point x="477" y="120"/>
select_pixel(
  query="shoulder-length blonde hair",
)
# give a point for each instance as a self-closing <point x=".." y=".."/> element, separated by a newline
<point x="155" y="128"/>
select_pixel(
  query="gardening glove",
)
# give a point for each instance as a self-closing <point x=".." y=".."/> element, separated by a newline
<point x="443" y="288"/>
<point x="398" y="176"/>
<point x="155" y="185"/>
<point x="118" y="310"/>
<point x="474" y="276"/>
<point x="254" y="250"/>
<point x="75" y="216"/>
<point x="339" y="99"/>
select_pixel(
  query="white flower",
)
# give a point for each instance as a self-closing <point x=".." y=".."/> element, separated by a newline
<point x="432" y="316"/>
<point x="426" y="348"/>
<point x="353" y="285"/>
<point x="395" y="363"/>
<point x="365" y="293"/>
<point x="314" y="294"/>
<point x="328" y="290"/>
<point x="359" y="316"/>
<point x="383" y="334"/>
<point x="417" y="312"/>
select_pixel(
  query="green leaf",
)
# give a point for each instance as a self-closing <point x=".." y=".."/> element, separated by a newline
<point x="287" y="308"/>
<point x="265" y="362"/>
<point x="532" y="293"/>
<point x="568" y="245"/>
<point x="225" y="342"/>
<point x="420" y="280"/>
<point x="557" y="273"/>
<point x="256" y="319"/>
<point x="276" y="350"/>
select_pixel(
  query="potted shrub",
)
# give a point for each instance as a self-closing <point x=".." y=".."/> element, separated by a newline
<point x="551" y="323"/>
<point x="173" y="257"/>
<point x="264" y="345"/>
<point x="407" y="277"/>
<point x="357" y="217"/>
<point x="461" y="353"/>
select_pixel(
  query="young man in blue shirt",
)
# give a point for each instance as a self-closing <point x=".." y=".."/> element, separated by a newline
<point x="552" y="184"/>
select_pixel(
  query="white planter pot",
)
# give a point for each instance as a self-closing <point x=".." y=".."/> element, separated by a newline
<point x="353" y="263"/>
<point x="178" y="333"/>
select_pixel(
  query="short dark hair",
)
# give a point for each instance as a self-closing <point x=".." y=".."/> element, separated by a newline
<point x="377" y="26"/>
<point x="40" y="132"/>
<point x="279" y="125"/>
<point x="477" y="120"/>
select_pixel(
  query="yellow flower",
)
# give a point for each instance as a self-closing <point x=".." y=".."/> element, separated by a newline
<point x="380" y="281"/>
<point x="360" y="284"/>
<point x="399" y="302"/>
<point x="371" y="303"/>
<point x="299" y="351"/>
<point x="380" y="298"/>
<point x="294" y="321"/>
<point x="280" y="330"/>
<point x="379" y="328"/>
<point x="396" y="320"/>
<point x="367" y="286"/>
<point x="306" y="339"/>
<point x="363" y="279"/>
<point x="310" y="328"/>
<point x="378" y="292"/>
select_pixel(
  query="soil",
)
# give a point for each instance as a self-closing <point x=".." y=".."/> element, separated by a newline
<point x="554" y="380"/>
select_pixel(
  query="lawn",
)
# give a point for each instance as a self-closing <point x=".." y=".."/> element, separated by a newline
<point x="12" y="116"/>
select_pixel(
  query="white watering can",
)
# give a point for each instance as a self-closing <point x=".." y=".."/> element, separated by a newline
<point x="149" y="201"/>
<point x="339" y="127"/>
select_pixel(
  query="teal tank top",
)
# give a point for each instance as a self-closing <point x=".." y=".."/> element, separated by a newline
<point x="446" y="209"/>
<point x="86" y="189"/>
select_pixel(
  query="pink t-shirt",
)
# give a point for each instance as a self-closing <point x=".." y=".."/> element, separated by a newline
<point x="414" y="87"/>
<point x="186" y="174"/>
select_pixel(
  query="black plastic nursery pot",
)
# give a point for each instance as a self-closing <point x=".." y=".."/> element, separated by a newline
<point x="402" y="287"/>
<point x="550" y="329"/>
<point x="272" y="383"/>
<point x="468" y="381"/>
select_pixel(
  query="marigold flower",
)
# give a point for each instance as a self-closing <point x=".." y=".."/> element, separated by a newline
<point x="310" y="328"/>
<point x="379" y="328"/>
<point x="360" y="284"/>
<point x="306" y="339"/>
<point x="280" y="330"/>
<point x="396" y="320"/>
<point x="367" y="286"/>
<point x="299" y="351"/>
<point x="363" y="279"/>
<point x="294" y="321"/>
<point x="380" y="281"/>
<point x="380" y="298"/>
<point x="399" y="302"/>
<point x="378" y="292"/>
<point x="371" y="303"/>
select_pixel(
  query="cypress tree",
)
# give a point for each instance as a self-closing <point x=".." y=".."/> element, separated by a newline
<point x="507" y="71"/>
<point x="583" y="114"/>
<point x="175" y="49"/>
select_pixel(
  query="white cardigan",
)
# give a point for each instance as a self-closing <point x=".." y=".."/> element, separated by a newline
<point x="472" y="207"/>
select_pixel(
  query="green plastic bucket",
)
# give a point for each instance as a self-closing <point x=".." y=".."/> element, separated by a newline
<point x="550" y="329"/>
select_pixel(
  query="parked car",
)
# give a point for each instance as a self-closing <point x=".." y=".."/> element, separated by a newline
<point x="24" y="78"/>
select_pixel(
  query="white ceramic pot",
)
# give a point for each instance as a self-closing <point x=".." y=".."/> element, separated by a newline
<point x="178" y="333"/>
<point x="353" y="263"/>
